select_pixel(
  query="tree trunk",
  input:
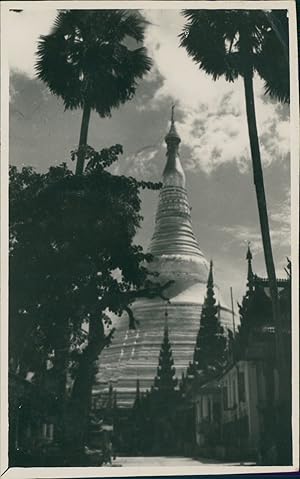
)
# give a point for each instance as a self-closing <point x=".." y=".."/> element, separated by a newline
<point x="261" y="203"/>
<point x="83" y="138"/>
<point x="281" y="359"/>
<point x="61" y="361"/>
<point x="79" y="406"/>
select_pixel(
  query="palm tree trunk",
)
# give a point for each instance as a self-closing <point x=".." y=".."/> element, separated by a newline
<point x="262" y="205"/>
<point x="83" y="137"/>
<point x="282" y="367"/>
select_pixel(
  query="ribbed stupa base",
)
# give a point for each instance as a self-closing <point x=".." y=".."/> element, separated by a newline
<point x="134" y="353"/>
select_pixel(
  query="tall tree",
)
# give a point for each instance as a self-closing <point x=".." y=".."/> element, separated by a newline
<point x="69" y="234"/>
<point x="86" y="60"/>
<point x="234" y="43"/>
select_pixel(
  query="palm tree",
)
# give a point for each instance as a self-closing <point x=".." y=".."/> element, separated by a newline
<point x="86" y="60"/>
<point x="234" y="43"/>
<point x="93" y="60"/>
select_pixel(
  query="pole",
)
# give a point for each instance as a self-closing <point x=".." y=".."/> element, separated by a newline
<point x="232" y="311"/>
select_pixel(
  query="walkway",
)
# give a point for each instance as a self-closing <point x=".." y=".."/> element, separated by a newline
<point x="168" y="461"/>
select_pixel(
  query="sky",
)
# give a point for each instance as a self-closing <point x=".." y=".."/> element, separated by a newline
<point x="211" y="120"/>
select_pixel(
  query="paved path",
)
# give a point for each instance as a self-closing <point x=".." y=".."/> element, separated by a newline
<point x="166" y="461"/>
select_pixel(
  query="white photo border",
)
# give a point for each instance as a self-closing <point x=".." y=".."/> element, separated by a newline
<point x="81" y="472"/>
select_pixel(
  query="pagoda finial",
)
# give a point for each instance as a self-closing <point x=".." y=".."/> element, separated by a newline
<point x="172" y="138"/>
<point x="166" y="317"/>
<point x="172" y="114"/>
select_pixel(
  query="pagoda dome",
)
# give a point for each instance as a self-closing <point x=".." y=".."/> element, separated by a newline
<point x="177" y="256"/>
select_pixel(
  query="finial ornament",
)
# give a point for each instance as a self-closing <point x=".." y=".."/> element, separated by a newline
<point x="172" y="113"/>
<point x="172" y="138"/>
<point x="249" y="254"/>
<point x="166" y="316"/>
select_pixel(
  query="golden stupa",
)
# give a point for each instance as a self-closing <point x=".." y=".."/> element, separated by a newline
<point x="133" y="354"/>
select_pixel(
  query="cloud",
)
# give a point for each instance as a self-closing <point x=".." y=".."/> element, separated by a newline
<point x="143" y="164"/>
<point x="280" y="228"/>
<point x="242" y="235"/>
<point x="212" y="118"/>
<point x="24" y="29"/>
<point x="280" y="220"/>
<point x="280" y="233"/>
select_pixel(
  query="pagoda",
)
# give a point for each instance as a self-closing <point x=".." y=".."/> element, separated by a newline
<point x="177" y="256"/>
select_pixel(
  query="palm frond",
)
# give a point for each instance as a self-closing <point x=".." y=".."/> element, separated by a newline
<point x="274" y="68"/>
<point x="85" y="58"/>
<point x="226" y="42"/>
<point x="205" y="41"/>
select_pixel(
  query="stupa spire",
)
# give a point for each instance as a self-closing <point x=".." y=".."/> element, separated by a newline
<point x="173" y="174"/>
<point x="173" y="228"/>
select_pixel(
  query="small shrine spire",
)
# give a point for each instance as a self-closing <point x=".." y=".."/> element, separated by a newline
<point x="210" y="280"/>
<point x="250" y="275"/>
<point x="210" y="341"/>
<point x="115" y="400"/>
<point x="165" y="379"/>
<point x="137" y="394"/>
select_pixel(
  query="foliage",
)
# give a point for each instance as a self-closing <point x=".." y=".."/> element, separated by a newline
<point x="86" y="58"/>
<point x="227" y="42"/>
<point x="72" y="254"/>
